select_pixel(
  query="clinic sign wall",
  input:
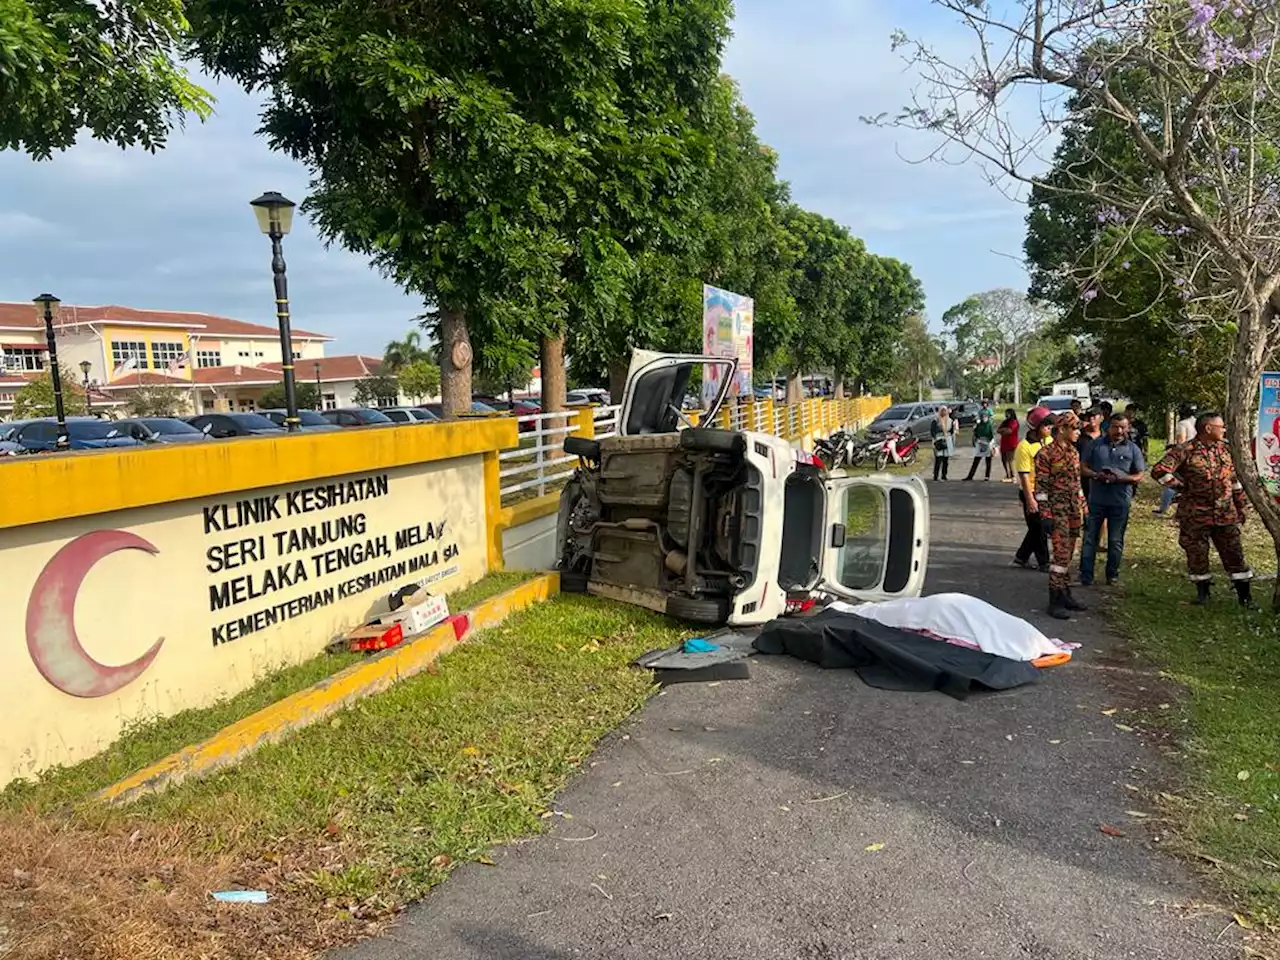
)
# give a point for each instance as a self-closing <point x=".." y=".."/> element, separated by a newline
<point x="135" y="613"/>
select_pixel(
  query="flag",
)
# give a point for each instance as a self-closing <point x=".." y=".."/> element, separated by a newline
<point x="178" y="362"/>
<point x="129" y="363"/>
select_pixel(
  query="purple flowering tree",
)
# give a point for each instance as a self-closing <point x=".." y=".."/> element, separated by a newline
<point x="1192" y="85"/>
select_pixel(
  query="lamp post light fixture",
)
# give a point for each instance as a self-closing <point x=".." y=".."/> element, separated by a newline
<point x="319" y="398"/>
<point x="46" y="303"/>
<point x="275" y="218"/>
<point x="85" y="367"/>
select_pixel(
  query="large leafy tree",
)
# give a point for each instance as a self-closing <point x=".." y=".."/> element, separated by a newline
<point x="36" y="399"/>
<point x="306" y="393"/>
<point x="999" y="325"/>
<point x="108" y="68"/>
<point x="402" y="353"/>
<point x="447" y="142"/>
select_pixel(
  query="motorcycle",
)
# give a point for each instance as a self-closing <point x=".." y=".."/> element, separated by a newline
<point x="841" y="449"/>
<point x="900" y="447"/>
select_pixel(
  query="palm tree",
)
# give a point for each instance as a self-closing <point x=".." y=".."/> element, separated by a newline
<point x="401" y="353"/>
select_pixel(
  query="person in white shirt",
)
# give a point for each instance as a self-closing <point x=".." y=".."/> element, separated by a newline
<point x="1183" y="432"/>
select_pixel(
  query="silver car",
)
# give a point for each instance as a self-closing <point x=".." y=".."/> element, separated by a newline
<point x="916" y="417"/>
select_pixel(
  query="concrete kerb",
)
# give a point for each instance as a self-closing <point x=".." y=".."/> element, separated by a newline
<point x="327" y="697"/>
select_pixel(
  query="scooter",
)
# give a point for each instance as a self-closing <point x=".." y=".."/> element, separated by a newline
<point x="842" y="449"/>
<point x="899" y="447"/>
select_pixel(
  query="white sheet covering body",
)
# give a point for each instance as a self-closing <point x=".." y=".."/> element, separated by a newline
<point x="960" y="618"/>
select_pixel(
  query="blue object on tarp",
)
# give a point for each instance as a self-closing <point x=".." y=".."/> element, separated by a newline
<point x="698" y="645"/>
<point x="241" y="896"/>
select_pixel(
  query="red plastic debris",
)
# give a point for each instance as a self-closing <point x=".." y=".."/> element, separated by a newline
<point x="461" y="624"/>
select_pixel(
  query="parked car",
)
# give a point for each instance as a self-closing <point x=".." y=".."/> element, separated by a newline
<point x="916" y="417"/>
<point x="356" y="417"/>
<point x="964" y="412"/>
<point x="222" y="425"/>
<point x="85" y="433"/>
<point x="596" y="395"/>
<point x="720" y="526"/>
<point x="410" y="415"/>
<point x="1059" y="404"/>
<point x="9" y="446"/>
<point x="311" y="420"/>
<point x="160" y="430"/>
<point x="518" y="407"/>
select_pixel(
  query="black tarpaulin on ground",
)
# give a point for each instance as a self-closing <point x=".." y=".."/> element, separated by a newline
<point x="889" y="658"/>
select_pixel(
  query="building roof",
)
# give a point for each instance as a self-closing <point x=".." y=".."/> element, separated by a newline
<point x="146" y="379"/>
<point x="239" y="375"/>
<point x="22" y="316"/>
<point x="351" y="366"/>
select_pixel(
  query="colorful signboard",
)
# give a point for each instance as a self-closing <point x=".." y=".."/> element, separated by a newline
<point x="1267" y="438"/>
<point x="728" y="330"/>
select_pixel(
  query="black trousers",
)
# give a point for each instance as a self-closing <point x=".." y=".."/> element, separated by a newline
<point x="940" y="466"/>
<point x="1035" y="542"/>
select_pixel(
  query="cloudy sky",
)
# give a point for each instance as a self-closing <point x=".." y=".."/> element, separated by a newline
<point x="174" y="231"/>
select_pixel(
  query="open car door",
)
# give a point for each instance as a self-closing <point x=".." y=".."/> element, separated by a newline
<point x="657" y="384"/>
<point x="876" y="537"/>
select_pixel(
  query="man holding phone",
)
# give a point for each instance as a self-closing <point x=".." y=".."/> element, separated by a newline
<point x="1114" y="466"/>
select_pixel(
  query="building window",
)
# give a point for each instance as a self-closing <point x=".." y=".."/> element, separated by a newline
<point x="7" y="397"/>
<point x="24" y="358"/>
<point x="387" y="401"/>
<point x="258" y="354"/>
<point x="329" y="401"/>
<point x="244" y="354"/>
<point x="124" y="350"/>
<point x="164" y="352"/>
<point x="247" y="406"/>
<point x="297" y="355"/>
<point x="208" y="358"/>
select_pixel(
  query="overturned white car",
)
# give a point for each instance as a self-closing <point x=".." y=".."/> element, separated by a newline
<point x="723" y="526"/>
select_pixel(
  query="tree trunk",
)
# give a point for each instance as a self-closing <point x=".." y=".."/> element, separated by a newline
<point x="795" y="387"/>
<point x="618" y="379"/>
<point x="1247" y="361"/>
<point x="551" y="350"/>
<point x="839" y="387"/>
<point x="455" y="379"/>
<point x="1170" y="424"/>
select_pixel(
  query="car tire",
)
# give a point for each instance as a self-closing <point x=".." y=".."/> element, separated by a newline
<point x="698" y="611"/>
<point x="571" y="581"/>
<point x="707" y="440"/>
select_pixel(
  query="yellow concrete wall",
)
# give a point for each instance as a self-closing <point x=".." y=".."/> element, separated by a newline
<point x="177" y="576"/>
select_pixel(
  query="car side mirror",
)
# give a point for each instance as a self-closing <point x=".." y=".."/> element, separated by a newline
<point x="914" y="416"/>
<point x="207" y="429"/>
<point x="838" y="535"/>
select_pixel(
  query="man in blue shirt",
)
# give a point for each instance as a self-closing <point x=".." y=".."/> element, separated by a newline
<point x="1114" y="466"/>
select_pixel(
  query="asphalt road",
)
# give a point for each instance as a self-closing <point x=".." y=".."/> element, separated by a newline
<point x="734" y="821"/>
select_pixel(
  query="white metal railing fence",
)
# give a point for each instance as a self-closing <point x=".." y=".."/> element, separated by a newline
<point x="539" y="465"/>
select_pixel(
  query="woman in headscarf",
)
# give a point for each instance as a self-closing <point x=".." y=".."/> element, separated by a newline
<point x="984" y="435"/>
<point x="944" y="431"/>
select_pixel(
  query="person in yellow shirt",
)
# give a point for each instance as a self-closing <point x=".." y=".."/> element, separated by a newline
<point x="1039" y="433"/>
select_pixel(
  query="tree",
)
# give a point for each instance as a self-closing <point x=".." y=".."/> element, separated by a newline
<point x="999" y="324"/>
<point x="918" y="359"/>
<point x="109" y="68"/>
<point x="419" y="380"/>
<point x="447" y="142"/>
<point x="377" y="390"/>
<point x="1193" y="86"/>
<point x="157" y="401"/>
<point x="36" y="398"/>
<point x="1136" y="325"/>
<point x="402" y="353"/>
<point x="273" y="398"/>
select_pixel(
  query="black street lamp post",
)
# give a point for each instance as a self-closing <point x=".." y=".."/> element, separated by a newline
<point x="45" y="305"/>
<point x="85" y="367"/>
<point x="275" y="217"/>
<point x="319" y="398"/>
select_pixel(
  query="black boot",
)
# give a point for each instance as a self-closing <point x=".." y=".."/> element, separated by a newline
<point x="1202" y="593"/>
<point x="1243" y="593"/>
<point x="1070" y="602"/>
<point x="1057" y="605"/>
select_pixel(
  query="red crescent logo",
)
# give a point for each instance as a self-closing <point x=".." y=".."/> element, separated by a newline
<point x="52" y="641"/>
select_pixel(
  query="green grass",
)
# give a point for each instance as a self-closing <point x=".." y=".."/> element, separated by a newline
<point x="153" y="739"/>
<point x="1228" y="725"/>
<point x="438" y="769"/>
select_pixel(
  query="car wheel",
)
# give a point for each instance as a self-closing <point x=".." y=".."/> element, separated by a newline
<point x="571" y="581"/>
<point x="698" y="611"/>
<point x="882" y="461"/>
<point x="711" y="441"/>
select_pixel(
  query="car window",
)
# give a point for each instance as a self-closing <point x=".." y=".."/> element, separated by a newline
<point x="40" y="432"/>
<point x="899" y="412"/>
<point x="861" y="562"/>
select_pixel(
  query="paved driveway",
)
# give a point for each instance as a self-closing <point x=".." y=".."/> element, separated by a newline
<point x="734" y="820"/>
